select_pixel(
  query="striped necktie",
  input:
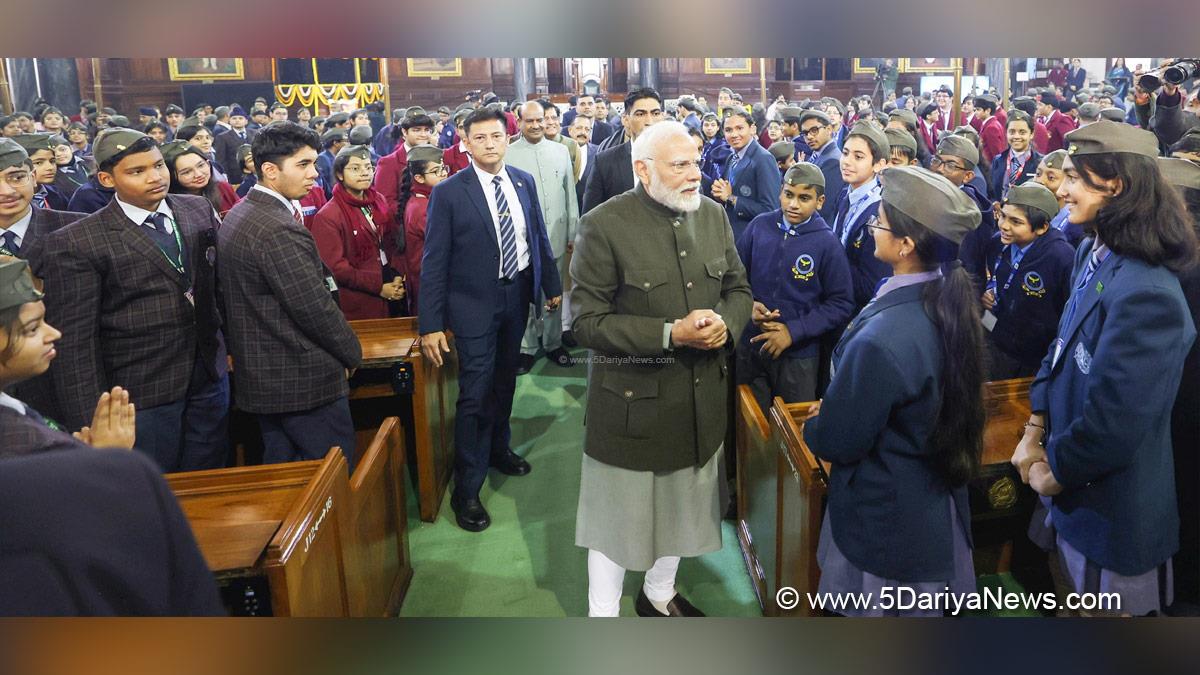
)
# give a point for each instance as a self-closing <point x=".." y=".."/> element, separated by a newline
<point x="508" y="234"/>
<point x="10" y="243"/>
<point x="729" y="169"/>
<point x="1072" y="305"/>
<point x="1014" y="170"/>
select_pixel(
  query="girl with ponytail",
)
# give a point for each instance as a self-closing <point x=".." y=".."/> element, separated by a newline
<point x="902" y="419"/>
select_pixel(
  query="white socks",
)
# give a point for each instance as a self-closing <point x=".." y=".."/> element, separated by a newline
<point x="606" y="579"/>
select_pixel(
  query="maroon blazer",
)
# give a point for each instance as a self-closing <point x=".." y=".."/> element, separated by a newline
<point x="352" y="254"/>
<point x="1059" y="125"/>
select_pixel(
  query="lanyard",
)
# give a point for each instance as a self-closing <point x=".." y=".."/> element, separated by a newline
<point x="1011" y="273"/>
<point x="370" y="221"/>
<point x="176" y="263"/>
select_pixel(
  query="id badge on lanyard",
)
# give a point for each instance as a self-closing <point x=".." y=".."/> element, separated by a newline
<point x="383" y="259"/>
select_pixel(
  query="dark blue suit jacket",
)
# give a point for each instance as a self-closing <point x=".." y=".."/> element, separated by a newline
<point x="461" y="261"/>
<point x="756" y="185"/>
<point x="1107" y="401"/>
<point x="887" y="505"/>
<point x="865" y="269"/>
<point x="831" y="168"/>
<point x="1000" y="172"/>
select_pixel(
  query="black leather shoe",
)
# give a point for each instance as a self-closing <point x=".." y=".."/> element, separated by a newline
<point x="510" y="464"/>
<point x="525" y="364"/>
<point x="677" y="607"/>
<point x="568" y="339"/>
<point x="470" y="515"/>
<point x="561" y="357"/>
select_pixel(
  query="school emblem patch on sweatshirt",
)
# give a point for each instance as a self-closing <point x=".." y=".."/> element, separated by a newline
<point x="1033" y="284"/>
<point x="804" y="268"/>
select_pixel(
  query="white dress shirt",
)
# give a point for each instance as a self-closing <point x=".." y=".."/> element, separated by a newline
<point x="10" y="402"/>
<point x="20" y="227"/>
<point x="515" y="210"/>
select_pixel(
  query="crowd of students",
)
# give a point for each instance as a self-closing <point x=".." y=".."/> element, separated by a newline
<point x="897" y="259"/>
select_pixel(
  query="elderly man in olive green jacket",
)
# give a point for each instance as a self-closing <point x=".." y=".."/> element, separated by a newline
<point x="660" y="298"/>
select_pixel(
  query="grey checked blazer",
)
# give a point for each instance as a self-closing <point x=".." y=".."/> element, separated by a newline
<point x="290" y="342"/>
<point x="123" y="312"/>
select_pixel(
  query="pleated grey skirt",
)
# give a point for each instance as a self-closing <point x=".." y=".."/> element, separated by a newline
<point x="636" y="517"/>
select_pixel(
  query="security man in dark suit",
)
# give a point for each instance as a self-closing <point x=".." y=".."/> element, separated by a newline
<point x="613" y="172"/>
<point x="293" y="351"/>
<point x="486" y="255"/>
<point x="226" y="144"/>
<point x="133" y="288"/>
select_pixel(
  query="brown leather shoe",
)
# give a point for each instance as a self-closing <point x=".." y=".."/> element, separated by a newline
<point x="678" y="606"/>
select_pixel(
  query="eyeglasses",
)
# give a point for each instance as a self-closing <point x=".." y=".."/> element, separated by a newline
<point x="17" y="178"/>
<point x="681" y="166"/>
<point x="873" y="224"/>
<point x="441" y="170"/>
<point x="361" y="168"/>
<point x="812" y="131"/>
<point x="935" y="162"/>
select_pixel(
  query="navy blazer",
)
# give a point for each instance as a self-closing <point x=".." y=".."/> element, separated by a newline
<point x="756" y="186"/>
<point x="831" y="168"/>
<point x="1107" y="400"/>
<point x="1000" y="171"/>
<point x="865" y="269"/>
<point x="887" y="504"/>
<point x="461" y="261"/>
<point x="1030" y="297"/>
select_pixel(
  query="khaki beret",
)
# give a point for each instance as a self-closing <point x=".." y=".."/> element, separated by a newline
<point x="789" y="112"/>
<point x="1106" y="136"/>
<point x="1054" y="160"/>
<point x="931" y="200"/>
<point x="190" y="122"/>
<point x="804" y="173"/>
<point x="967" y="131"/>
<point x="243" y="152"/>
<point x="425" y="153"/>
<point x="16" y="285"/>
<point x="1089" y="111"/>
<point x="817" y="115"/>
<point x="1180" y="172"/>
<point x="872" y="133"/>
<point x="781" y="150"/>
<point x="900" y="138"/>
<point x="905" y="115"/>
<point x="12" y="154"/>
<point x="1113" y="114"/>
<point x="958" y="146"/>
<point x="173" y="150"/>
<point x="119" y="121"/>
<point x="34" y="142"/>
<point x="112" y="142"/>
<point x="337" y="118"/>
<point x="1033" y="195"/>
<point x="415" y="110"/>
<point x="333" y="135"/>
<point x="359" y="151"/>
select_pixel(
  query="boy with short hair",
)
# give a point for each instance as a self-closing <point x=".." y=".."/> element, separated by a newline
<point x="957" y="160"/>
<point x="866" y="154"/>
<point x="903" y="147"/>
<point x="802" y="291"/>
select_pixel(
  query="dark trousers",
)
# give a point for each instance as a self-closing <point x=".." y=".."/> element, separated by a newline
<point x="192" y="433"/>
<point x="792" y="379"/>
<point x="487" y="379"/>
<point x="308" y="434"/>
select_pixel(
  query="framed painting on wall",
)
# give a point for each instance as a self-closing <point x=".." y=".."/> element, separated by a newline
<point x="930" y="65"/>
<point x="434" y="67"/>
<point x="727" y="66"/>
<point x="205" y="69"/>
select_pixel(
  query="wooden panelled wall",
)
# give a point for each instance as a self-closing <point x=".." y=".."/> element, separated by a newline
<point x="130" y="83"/>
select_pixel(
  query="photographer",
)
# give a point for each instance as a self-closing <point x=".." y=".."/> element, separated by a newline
<point x="1162" y="111"/>
<point x="888" y="74"/>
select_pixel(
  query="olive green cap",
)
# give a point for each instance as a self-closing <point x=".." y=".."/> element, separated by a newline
<point x="1180" y="172"/>
<point x="931" y="200"/>
<point x="967" y="131"/>
<point x="359" y="151"/>
<point x="12" y="154"/>
<point x="874" y="133"/>
<point x="112" y="142"/>
<point x="34" y="142"/>
<point x="786" y="112"/>
<point x="814" y="114"/>
<point x="1106" y="136"/>
<point x="333" y="135"/>
<point x="1054" y="160"/>
<point x="1112" y="114"/>
<point x="1089" y="111"/>
<point x="425" y="153"/>
<point x="804" y="173"/>
<point x="958" y="146"/>
<point x="171" y="151"/>
<point x="415" y="110"/>
<point x="905" y="115"/>
<point x="16" y="285"/>
<point x="781" y="150"/>
<point x="1033" y="195"/>
<point x="900" y="138"/>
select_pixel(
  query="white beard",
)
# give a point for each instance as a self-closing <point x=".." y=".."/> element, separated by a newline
<point x="675" y="200"/>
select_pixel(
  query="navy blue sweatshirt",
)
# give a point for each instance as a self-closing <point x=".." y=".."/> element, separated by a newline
<point x="1030" y="298"/>
<point x="803" y="273"/>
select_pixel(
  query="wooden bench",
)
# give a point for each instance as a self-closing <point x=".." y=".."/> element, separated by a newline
<point x="304" y="538"/>
<point x="778" y="532"/>
<point x="386" y="344"/>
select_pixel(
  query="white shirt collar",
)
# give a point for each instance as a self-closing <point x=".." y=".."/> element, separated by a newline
<point x="139" y="215"/>
<point x="20" y="227"/>
<point x="292" y="204"/>
<point x="486" y="178"/>
<point x="12" y="403"/>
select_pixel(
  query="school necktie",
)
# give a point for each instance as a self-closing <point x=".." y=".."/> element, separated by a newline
<point x="1014" y="170"/>
<point x="729" y="170"/>
<point x="508" y="234"/>
<point x="297" y="216"/>
<point x="843" y="211"/>
<point x="1080" y="288"/>
<point x="165" y="239"/>
<point x="10" y="243"/>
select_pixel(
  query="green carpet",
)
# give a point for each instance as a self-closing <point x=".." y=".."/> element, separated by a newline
<point x="526" y="564"/>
